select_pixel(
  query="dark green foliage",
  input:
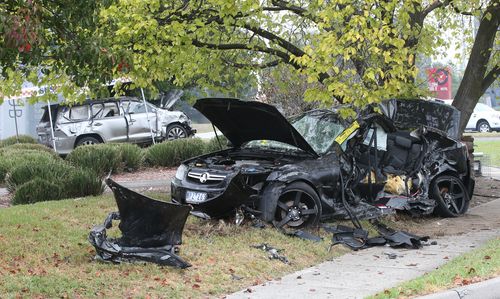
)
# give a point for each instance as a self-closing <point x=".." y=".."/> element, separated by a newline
<point x="52" y="171"/>
<point x="13" y="140"/>
<point x="37" y="190"/>
<point x="82" y="182"/>
<point x="69" y="180"/>
<point x="10" y="157"/>
<point x="4" y="168"/>
<point x="172" y="153"/>
<point x="132" y="156"/>
<point x="31" y="146"/>
<point x="101" y="158"/>
<point x="213" y="145"/>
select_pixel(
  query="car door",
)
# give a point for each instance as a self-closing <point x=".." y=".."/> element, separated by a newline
<point x="139" y="120"/>
<point x="109" y="122"/>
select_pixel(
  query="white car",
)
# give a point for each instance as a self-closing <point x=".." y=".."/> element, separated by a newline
<point x="484" y="119"/>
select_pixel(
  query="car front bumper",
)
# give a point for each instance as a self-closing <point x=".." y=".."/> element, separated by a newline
<point x="221" y="200"/>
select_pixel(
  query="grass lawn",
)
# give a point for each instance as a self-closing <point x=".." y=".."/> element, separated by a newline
<point x="490" y="148"/>
<point x="478" y="134"/>
<point x="475" y="266"/>
<point x="44" y="252"/>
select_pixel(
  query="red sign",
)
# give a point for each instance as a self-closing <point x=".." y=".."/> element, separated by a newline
<point x="439" y="80"/>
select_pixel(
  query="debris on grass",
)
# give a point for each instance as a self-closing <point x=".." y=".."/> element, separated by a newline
<point x="274" y="253"/>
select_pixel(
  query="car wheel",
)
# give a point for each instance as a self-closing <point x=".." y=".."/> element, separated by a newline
<point x="450" y="195"/>
<point x="176" y="132"/>
<point x="483" y="126"/>
<point x="298" y="206"/>
<point x="87" y="141"/>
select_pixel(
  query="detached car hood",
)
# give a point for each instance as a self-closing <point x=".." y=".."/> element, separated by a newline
<point x="243" y="121"/>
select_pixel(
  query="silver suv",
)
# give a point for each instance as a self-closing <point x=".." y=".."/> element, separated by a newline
<point x="124" y="119"/>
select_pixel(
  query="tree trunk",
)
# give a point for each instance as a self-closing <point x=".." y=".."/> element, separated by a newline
<point x="472" y="86"/>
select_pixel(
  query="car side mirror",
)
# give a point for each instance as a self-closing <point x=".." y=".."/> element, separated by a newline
<point x="229" y="144"/>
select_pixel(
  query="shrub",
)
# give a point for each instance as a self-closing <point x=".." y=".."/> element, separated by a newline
<point x="132" y="156"/>
<point x="213" y="145"/>
<point x="172" y="153"/>
<point x="13" y="140"/>
<point x="31" y="147"/>
<point x="101" y="158"/>
<point x="12" y="157"/>
<point x="37" y="190"/>
<point x="4" y="168"/>
<point x="69" y="180"/>
<point x="82" y="182"/>
<point x="52" y="171"/>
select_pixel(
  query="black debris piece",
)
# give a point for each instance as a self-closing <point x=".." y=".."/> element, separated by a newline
<point x="357" y="238"/>
<point x="305" y="235"/>
<point x="274" y="253"/>
<point x="399" y="238"/>
<point x="151" y="230"/>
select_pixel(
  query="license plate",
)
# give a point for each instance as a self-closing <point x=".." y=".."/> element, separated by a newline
<point x="195" y="197"/>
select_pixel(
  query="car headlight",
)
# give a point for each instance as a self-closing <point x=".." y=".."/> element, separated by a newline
<point x="181" y="172"/>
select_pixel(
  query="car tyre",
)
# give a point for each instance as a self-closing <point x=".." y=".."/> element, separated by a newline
<point x="88" y="140"/>
<point x="298" y="206"/>
<point x="176" y="132"/>
<point x="451" y="196"/>
<point x="483" y="126"/>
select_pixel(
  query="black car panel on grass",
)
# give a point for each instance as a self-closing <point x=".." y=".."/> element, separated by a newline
<point x="318" y="165"/>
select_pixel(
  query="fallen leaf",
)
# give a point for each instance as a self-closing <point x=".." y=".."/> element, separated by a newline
<point x="487" y="257"/>
<point x="196" y="286"/>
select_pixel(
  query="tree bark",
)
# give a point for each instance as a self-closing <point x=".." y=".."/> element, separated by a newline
<point x="472" y="86"/>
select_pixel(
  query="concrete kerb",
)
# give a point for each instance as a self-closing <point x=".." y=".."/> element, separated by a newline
<point x="488" y="289"/>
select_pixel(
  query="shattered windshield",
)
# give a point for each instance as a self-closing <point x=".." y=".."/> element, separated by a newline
<point x="318" y="128"/>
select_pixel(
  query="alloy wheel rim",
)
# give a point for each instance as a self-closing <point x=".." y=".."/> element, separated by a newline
<point x="452" y="194"/>
<point x="296" y="211"/>
<point x="176" y="133"/>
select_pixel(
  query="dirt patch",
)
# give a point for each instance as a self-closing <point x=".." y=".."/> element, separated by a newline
<point x="5" y="200"/>
<point x="486" y="190"/>
<point x="146" y="174"/>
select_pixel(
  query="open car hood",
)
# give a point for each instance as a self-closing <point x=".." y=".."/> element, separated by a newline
<point x="169" y="98"/>
<point x="243" y="121"/>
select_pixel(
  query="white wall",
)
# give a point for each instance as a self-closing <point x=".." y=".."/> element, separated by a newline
<point x="28" y="117"/>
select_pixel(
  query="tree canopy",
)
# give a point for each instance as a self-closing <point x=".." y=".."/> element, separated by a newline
<point x="349" y="51"/>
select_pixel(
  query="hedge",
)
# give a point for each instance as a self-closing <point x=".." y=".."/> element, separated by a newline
<point x="132" y="156"/>
<point x="65" y="180"/>
<point x="10" y="157"/>
<point x="13" y="140"/>
<point x="101" y="158"/>
<point x="173" y="152"/>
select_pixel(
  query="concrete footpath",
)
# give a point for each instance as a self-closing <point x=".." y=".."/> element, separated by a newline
<point x="367" y="272"/>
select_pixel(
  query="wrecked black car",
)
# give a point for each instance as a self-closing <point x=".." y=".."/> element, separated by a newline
<point x="318" y="165"/>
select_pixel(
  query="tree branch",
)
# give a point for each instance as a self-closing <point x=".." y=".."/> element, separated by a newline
<point x="240" y="46"/>
<point x="252" y="65"/>
<point x="434" y="5"/>
<point x="273" y="37"/>
<point x="490" y="78"/>
<point x="281" y="5"/>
